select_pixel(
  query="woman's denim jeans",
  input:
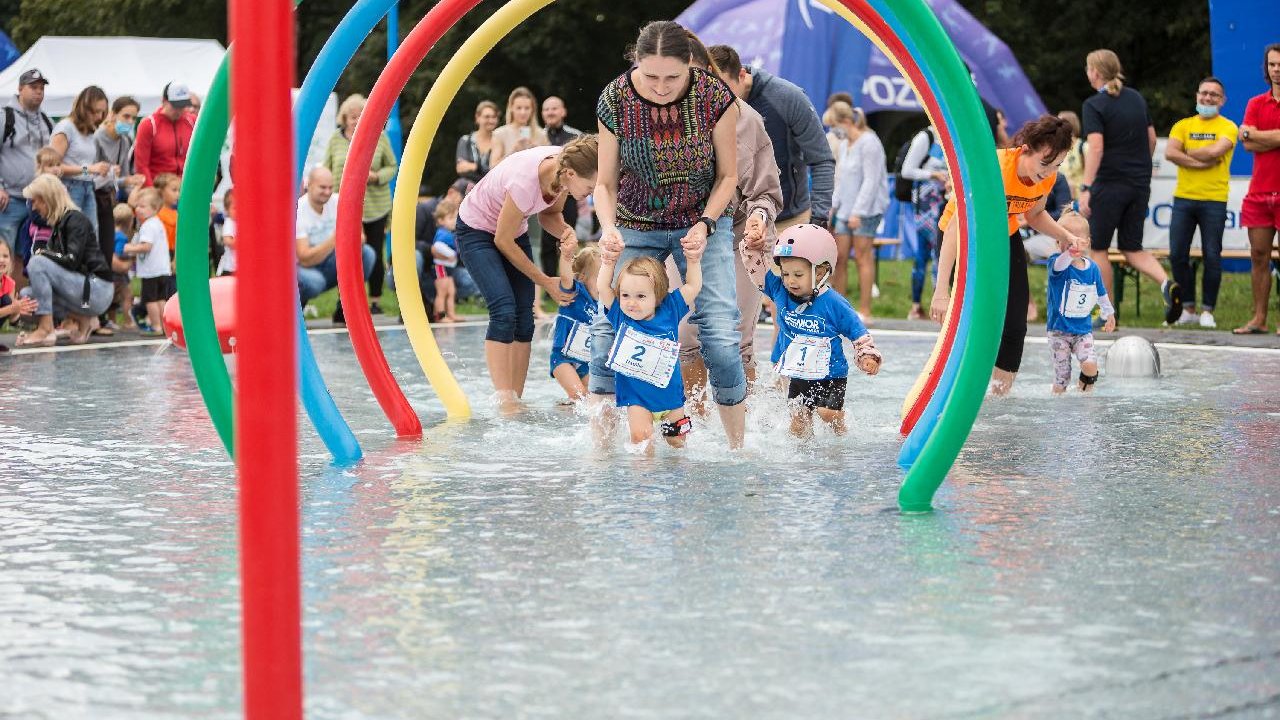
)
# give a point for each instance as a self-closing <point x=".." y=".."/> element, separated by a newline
<point x="508" y="293"/>
<point x="715" y="314"/>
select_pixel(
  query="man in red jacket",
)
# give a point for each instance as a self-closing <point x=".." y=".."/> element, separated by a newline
<point x="165" y="136"/>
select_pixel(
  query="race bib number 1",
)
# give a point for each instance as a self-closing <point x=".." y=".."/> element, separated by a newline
<point x="1079" y="299"/>
<point x="644" y="357"/>
<point x="807" y="358"/>
<point x="578" y="344"/>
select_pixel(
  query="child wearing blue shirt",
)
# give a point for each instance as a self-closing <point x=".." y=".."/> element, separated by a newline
<point x="570" y="343"/>
<point x="1075" y="288"/>
<point x="645" y="356"/>
<point x="812" y="319"/>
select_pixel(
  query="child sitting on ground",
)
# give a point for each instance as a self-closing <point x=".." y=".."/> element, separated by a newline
<point x="444" y="255"/>
<point x="1075" y="288"/>
<point x="11" y="306"/>
<point x="122" y="262"/>
<point x="571" y="341"/>
<point x="227" y="263"/>
<point x="152" y="252"/>
<point x="646" y="353"/>
<point x="812" y="319"/>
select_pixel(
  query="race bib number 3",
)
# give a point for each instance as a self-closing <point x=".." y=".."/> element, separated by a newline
<point x="578" y="344"/>
<point x="1079" y="299"/>
<point x="644" y="357"/>
<point x="807" y="358"/>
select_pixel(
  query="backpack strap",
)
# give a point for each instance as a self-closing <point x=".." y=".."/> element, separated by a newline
<point x="9" y="130"/>
<point x="48" y="124"/>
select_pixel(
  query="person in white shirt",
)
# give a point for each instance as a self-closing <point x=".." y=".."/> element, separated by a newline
<point x="316" y="223"/>
<point x="152" y="250"/>
<point x="860" y="201"/>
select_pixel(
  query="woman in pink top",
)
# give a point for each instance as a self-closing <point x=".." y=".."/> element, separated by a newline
<point x="492" y="234"/>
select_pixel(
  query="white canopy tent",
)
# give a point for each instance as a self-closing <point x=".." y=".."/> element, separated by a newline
<point x="139" y="67"/>
<point x="135" y="66"/>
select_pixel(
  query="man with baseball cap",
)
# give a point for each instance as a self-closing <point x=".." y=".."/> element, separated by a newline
<point x="165" y="135"/>
<point x="25" y="130"/>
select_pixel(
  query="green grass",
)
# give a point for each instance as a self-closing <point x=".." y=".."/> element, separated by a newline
<point x="1235" y="303"/>
<point x="1234" y="299"/>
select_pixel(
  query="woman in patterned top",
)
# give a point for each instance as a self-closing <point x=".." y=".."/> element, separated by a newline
<point x="668" y="171"/>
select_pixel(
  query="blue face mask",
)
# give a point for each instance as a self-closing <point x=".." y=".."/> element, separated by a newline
<point x="124" y="128"/>
<point x="1207" y="111"/>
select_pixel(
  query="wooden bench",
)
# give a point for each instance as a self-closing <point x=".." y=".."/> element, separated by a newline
<point x="1121" y="269"/>
<point x="878" y="243"/>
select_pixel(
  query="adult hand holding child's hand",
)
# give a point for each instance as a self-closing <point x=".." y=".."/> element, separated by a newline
<point x="611" y="245"/>
<point x="753" y="237"/>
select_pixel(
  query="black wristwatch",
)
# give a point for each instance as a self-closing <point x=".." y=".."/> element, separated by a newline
<point x="711" y="225"/>
<point x="1086" y="188"/>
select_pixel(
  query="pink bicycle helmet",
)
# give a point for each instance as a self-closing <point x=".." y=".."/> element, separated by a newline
<point x="811" y="242"/>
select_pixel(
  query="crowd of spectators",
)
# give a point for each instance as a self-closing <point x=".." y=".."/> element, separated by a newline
<point x="116" y="180"/>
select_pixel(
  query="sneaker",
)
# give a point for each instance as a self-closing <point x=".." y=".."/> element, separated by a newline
<point x="1207" y="321"/>
<point x="1188" y="318"/>
<point x="1172" y="294"/>
<point x="339" y="318"/>
<point x="375" y="309"/>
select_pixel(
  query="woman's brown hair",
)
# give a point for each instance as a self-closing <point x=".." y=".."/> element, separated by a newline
<point x="1046" y="131"/>
<point x="83" y="107"/>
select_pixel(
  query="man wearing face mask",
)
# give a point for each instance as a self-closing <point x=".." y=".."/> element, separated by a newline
<point x="1201" y="147"/>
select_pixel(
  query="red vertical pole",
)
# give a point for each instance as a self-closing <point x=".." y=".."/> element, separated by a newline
<point x="266" y="406"/>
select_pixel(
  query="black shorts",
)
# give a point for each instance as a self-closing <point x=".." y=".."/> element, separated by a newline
<point x="1117" y="208"/>
<point x="813" y="394"/>
<point x="157" y="288"/>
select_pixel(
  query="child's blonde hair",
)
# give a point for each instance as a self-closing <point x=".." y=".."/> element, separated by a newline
<point x="149" y="197"/>
<point x="122" y="214"/>
<point x="162" y="181"/>
<point x="47" y="156"/>
<point x="1074" y="222"/>
<point x="586" y="257"/>
<point x="444" y="209"/>
<point x="647" y="267"/>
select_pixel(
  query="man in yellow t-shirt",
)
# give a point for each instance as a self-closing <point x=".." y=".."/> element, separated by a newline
<point x="1201" y="147"/>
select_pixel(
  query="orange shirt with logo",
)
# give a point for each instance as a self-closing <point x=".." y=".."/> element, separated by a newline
<point x="1019" y="196"/>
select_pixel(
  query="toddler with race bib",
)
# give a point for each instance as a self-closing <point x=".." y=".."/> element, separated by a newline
<point x="1075" y="288"/>
<point x="571" y="341"/>
<point x="646" y="352"/>
<point x="812" y="319"/>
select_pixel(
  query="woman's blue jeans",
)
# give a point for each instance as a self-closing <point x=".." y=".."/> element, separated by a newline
<point x="715" y="314"/>
<point x="508" y="293"/>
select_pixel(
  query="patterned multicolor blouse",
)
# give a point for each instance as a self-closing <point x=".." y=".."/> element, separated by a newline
<point x="666" y="156"/>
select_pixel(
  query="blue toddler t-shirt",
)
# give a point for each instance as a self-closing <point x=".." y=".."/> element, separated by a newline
<point x="815" y="332"/>
<point x="1073" y="293"/>
<point x="574" y="318"/>
<point x="121" y="241"/>
<point x="662" y="326"/>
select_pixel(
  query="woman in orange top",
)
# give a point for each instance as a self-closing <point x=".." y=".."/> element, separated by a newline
<point x="1029" y="169"/>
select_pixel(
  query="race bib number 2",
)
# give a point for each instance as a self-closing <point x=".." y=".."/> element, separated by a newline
<point x="644" y="357"/>
<point x="807" y="358"/>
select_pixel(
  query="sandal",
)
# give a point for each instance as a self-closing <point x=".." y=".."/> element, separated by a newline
<point x="24" y="340"/>
<point x="104" y="332"/>
<point x="1249" y="330"/>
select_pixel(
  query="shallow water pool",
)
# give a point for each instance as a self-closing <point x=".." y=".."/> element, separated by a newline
<point x="1112" y="555"/>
